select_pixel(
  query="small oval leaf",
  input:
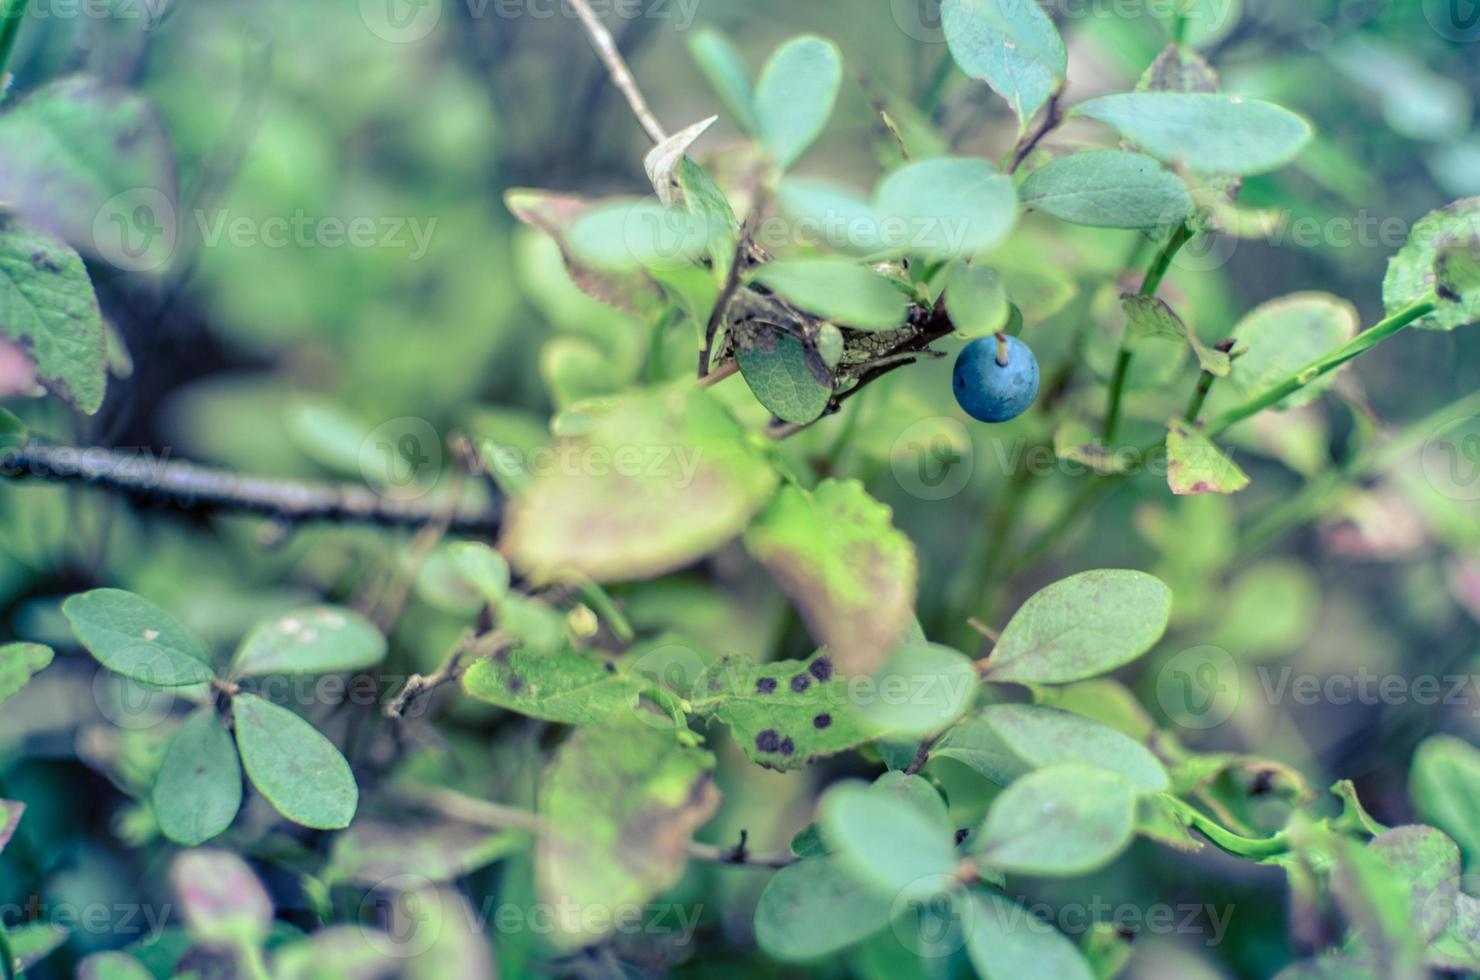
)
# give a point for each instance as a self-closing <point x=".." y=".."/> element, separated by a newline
<point x="291" y="763"/>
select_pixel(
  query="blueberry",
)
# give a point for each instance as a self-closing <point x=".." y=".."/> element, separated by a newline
<point x="993" y="392"/>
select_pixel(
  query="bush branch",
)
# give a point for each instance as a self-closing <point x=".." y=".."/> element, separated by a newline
<point x="616" y="66"/>
<point x="190" y="487"/>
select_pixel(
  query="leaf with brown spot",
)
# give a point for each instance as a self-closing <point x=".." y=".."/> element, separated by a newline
<point x="852" y="574"/>
<point x="620" y="803"/>
<point x="555" y="214"/>
<point x="1195" y="465"/>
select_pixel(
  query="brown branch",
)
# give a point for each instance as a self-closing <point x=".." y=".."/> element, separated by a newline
<point x="1052" y="116"/>
<point x="153" y="477"/>
<point x="469" y="646"/>
<point x="616" y="66"/>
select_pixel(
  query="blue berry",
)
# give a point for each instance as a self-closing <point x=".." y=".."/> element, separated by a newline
<point x="992" y="392"/>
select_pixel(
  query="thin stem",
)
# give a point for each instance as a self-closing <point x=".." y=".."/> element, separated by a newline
<point x="611" y="57"/>
<point x="1160" y="265"/>
<point x="145" y="476"/>
<point x="1357" y="346"/>
<point x="1227" y="840"/>
<point x="1053" y="114"/>
<point x="1199" y="397"/>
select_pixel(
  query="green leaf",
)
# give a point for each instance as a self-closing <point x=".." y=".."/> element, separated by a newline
<point x="199" y="786"/>
<point x="1043" y="737"/>
<point x="851" y="574"/>
<point x="838" y="290"/>
<point x="721" y="64"/>
<point x="556" y="215"/>
<point x="976" y="299"/>
<point x="1457" y="949"/>
<point x="1006" y="941"/>
<point x="316" y="640"/>
<point x="13" y="432"/>
<point x="886" y="842"/>
<point x="47" y="307"/>
<point x="93" y="163"/>
<point x="568" y="687"/>
<point x="1012" y="46"/>
<point x="774" y="365"/>
<point x="1457" y="270"/>
<point x="784" y="714"/>
<point x="291" y="763"/>
<point x="1413" y="274"/>
<point x="951" y="207"/>
<point x="19" y="662"/>
<point x="1064" y="820"/>
<point x="1444" y="784"/>
<point x="813" y="909"/>
<point x="223" y="902"/>
<point x="32" y="942"/>
<point x="920" y="689"/>
<point x="1081" y="627"/>
<point x="1108" y="189"/>
<point x="1150" y="316"/>
<point x="795" y="95"/>
<point x="112" y="966"/>
<point x="10" y="819"/>
<point x="1195" y="465"/>
<point x="842" y="219"/>
<point x="485" y="569"/>
<point x="628" y="236"/>
<point x="1428" y="862"/>
<point x="1207" y="133"/>
<point x="620" y="804"/>
<point x="132" y="636"/>
<point x="1284" y="336"/>
<point x="678" y="478"/>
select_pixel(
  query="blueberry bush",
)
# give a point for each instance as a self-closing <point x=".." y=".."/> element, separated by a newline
<point x="995" y="496"/>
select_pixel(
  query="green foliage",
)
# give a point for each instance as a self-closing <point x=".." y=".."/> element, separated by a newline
<point x="1013" y="47"/>
<point x="1085" y="625"/>
<point x="1207" y="133"/>
<point x="710" y="584"/>
<point x="1413" y="273"/>
<point x="48" y="307"/>
<point x="794" y="96"/>
<point x="300" y="771"/>
<point x="199" y="786"/>
<point x="1108" y="189"/>
<point x="19" y="662"/>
